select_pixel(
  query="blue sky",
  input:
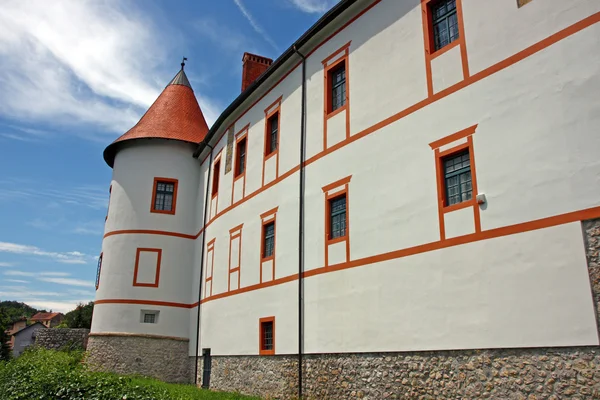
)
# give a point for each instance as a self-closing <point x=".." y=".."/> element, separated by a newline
<point x="75" y="75"/>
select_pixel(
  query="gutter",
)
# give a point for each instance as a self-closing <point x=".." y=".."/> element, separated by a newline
<point x="322" y="23"/>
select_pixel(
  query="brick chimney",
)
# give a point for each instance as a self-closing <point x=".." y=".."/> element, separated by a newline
<point x="254" y="66"/>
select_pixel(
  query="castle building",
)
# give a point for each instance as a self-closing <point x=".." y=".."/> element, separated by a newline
<point x="404" y="204"/>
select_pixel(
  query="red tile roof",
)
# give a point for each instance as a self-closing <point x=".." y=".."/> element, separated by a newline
<point x="174" y="115"/>
<point x="44" y="316"/>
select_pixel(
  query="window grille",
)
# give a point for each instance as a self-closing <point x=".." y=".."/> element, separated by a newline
<point x="457" y="174"/>
<point x="149" y="318"/>
<point x="269" y="240"/>
<point x="267" y="335"/>
<point x="338" y="87"/>
<point x="337" y="211"/>
<point x="241" y="155"/>
<point x="273" y="131"/>
<point x="445" y="23"/>
<point x="163" y="200"/>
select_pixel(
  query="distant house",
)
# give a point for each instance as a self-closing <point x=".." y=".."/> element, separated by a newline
<point x="15" y="327"/>
<point x="25" y="338"/>
<point x="50" y="320"/>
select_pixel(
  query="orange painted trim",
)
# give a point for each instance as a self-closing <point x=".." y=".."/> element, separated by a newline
<point x="327" y="88"/>
<point x="506" y="63"/>
<point x="462" y="39"/>
<point x="152" y="232"/>
<point x="269" y="213"/>
<point x="440" y="192"/>
<point x="338" y="239"/>
<point x="453" y="138"/>
<point x="270" y="112"/>
<point x="242" y="135"/>
<point x="543" y="223"/>
<point x="175" y="183"/>
<point x="261" y="343"/>
<point x="458" y="206"/>
<point x="444" y="49"/>
<point x="146" y="302"/>
<point x="455" y="149"/>
<point x="476" y="210"/>
<point x="336" y="184"/>
<point x="136" y="268"/>
<point x="210" y="252"/>
<point x="235" y="233"/>
<point x="272" y="212"/>
<point x="336" y="53"/>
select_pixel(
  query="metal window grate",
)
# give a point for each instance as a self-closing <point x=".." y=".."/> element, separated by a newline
<point x="149" y="318"/>
<point x="338" y="87"/>
<point x="445" y="23"/>
<point x="163" y="200"/>
<point x="269" y="240"/>
<point x="273" y="128"/>
<point x="267" y="335"/>
<point x="337" y="210"/>
<point x="457" y="174"/>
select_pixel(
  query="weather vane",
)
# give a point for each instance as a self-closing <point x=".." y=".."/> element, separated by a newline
<point x="183" y="62"/>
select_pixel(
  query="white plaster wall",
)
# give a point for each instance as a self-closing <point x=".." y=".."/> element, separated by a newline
<point x="496" y="30"/>
<point x="125" y="318"/>
<point x="230" y="325"/>
<point x="447" y="69"/>
<point x="136" y="166"/>
<point x="337" y="253"/>
<point x="460" y="222"/>
<point x="336" y="128"/>
<point x="270" y="169"/>
<point x="461" y="297"/>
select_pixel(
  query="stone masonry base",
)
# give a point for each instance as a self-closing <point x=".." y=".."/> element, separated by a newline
<point x="162" y="358"/>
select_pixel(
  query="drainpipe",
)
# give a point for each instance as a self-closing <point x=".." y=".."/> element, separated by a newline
<point x="301" y="226"/>
<point x="202" y="262"/>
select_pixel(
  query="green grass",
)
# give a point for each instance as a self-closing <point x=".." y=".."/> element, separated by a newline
<point x="57" y="375"/>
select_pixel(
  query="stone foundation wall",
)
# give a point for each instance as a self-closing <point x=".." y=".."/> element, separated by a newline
<point x="158" y="357"/>
<point x="59" y="338"/>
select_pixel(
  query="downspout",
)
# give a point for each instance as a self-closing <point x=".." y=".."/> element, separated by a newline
<point x="202" y="262"/>
<point x="301" y="227"/>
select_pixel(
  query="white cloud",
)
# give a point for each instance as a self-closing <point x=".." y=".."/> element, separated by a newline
<point x="313" y="6"/>
<point x="257" y="28"/>
<point x="68" y="281"/>
<point x="57" y="306"/>
<point x="7" y="264"/>
<point x="16" y="280"/>
<point x="55" y="274"/>
<point x="19" y="273"/>
<point x="81" y="63"/>
<point x="70" y="257"/>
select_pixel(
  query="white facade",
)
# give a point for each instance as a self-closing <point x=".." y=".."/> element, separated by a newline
<point x="522" y="83"/>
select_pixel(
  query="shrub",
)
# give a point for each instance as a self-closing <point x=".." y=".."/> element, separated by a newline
<point x="59" y="375"/>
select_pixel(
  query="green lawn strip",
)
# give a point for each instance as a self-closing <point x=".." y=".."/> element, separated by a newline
<point x="57" y="375"/>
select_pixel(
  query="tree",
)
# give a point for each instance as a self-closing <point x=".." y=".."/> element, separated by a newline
<point x="10" y="311"/>
<point x="80" y="317"/>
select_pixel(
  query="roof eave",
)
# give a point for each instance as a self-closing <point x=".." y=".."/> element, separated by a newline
<point x="321" y="24"/>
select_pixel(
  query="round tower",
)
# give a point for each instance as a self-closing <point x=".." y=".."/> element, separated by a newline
<point x="145" y="272"/>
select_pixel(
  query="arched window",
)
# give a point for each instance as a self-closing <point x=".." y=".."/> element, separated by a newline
<point x="98" y="271"/>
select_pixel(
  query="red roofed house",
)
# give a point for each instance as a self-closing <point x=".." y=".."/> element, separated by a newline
<point x="49" y="320"/>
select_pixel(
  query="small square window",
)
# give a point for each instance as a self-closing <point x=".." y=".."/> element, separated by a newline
<point x="149" y="317"/>
<point x="337" y="217"/>
<point x="268" y="239"/>
<point x="267" y="336"/>
<point x="240" y="164"/>
<point x="216" y="175"/>
<point x="272" y="133"/>
<point x="444" y="21"/>
<point x="164" y="196"/>
<point x="337" y="79"/>
<point x="457" y="178"/>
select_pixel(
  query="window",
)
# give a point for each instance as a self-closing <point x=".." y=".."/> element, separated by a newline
<point x="337" y="220"/>
<point x="268" y="239"/>
<point x="164" y="196"/>
<point x="216" y="174"/>
<point x="240" y="165"/>
<point x="272" y="133"/>
<point x="445" y="23"/>
<point x="457" y="178"/>
<point x="98" y="271"/>
<point x="149" y="317"/>
<point x="337" y="77"/>
<point x="267" y="336"/>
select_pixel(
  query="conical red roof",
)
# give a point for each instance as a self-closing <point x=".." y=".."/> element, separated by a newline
<point x="174" y="115"/>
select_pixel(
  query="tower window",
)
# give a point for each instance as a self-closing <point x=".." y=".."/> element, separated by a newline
<point x="457" y="177"/>
<point x="337" y="217"/>
<point x="164" y="196"/>
<point x="337" y="77"/>
<point x="149" y="317"/>
<point x="240" y="166"/>
<point x="216" y="174"/>
<point x="445" y="23"/>
<point x="268" y="239"/>
<point x="98" y="271"/>
<point x="267" y="336"/>
<point x="272" y="133"/>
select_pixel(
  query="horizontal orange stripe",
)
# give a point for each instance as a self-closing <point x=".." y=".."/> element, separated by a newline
<point x="152" y="232"/>
<point x="543" y="223"/>
<point x="537" y="47"/>
<point x="452" y="138"/>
